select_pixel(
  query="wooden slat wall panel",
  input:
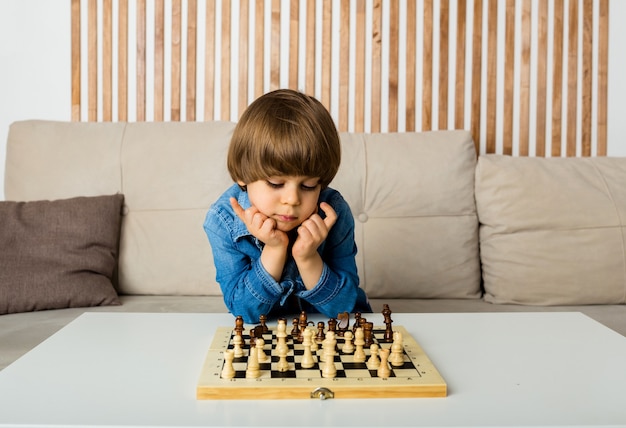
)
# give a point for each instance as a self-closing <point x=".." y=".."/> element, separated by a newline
<point x="526" y="77"/>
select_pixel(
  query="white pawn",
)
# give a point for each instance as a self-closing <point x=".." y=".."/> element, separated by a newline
<point x="252" y="370"/>
<point x="397" y="356"/>
<point x="329" y="343"/>
<point x="228" y="371"/>
<point x="359" y="341"/>
<point x="259" y="344"/>
<point x="373" y="363"/>
<point x="348" y="347"/>
<point x="238" y="350"/>
<point x="307" y="358"/>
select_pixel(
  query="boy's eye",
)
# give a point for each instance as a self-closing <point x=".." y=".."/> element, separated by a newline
<point x="309" y="188"/>
<point x="274" y="185"/>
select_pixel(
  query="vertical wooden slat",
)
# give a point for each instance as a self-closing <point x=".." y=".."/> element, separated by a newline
<point x="141" y="60"/>
<point x="587" y="76"/>
<point x="524" y="114"/>
<point x="376" y="64"/>
<point x="275" y="46"/>
<point x="244" y="12"/>
<point x="176" y="59"/>
<point x="209" y="62"/>
<point x="572" y="78"/>
<point x="107" y="60"/>
<point x="475" y="110"/>
<point x="122" y="61"/>
<point x="427" y="67"/>
<point x="192" y="18"/>
<point x="557" y="78"/>
<point x="444" y="28"/>
<point x="259" y="57"/>
<point x="492" y="75"/>
<point x="509" y="76"/>
<point x="344" y="64"/>
<point x="294" y="42"/>
<point x="359" y="85"/>
<point x="327" y="39"/>
<point x="159" y="60"/>
<point x="459" y="91"/>
<point x="92" y="61"/>
<point x="310" y="48"/>
<point x="394" y="53"/>
<point x="411" y="63"/>
<point x="76" y="59"/>
<point x="603" y="76"/>
<point x="542" y="78"/>
<point x="225" y="61"/>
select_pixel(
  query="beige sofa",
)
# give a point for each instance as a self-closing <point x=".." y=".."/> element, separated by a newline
<point x="438" y="230"/>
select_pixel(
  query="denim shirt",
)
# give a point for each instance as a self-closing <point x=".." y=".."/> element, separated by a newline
<point x="250" y="291"/>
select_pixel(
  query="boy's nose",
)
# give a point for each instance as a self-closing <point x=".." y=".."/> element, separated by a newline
<point x="291" y="196"/>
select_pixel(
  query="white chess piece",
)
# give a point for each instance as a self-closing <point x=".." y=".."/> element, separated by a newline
<point x="373" y="363"/>
<point x="252" y="370"/>
<point x="397" y="356"/>
<point x="307" y="358"/>
<point x="228" y="371"/>
<point x="348" y="347"/>
<point x="238" y="342"/>
<point x="259" y="344"/>
<point x="328" y="345"/>
<point x="359" y="341"/>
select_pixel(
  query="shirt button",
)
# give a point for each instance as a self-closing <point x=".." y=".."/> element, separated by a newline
<point x="363" y="217"/>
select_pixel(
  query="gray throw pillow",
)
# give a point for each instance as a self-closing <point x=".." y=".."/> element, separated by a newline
<point x="59" y="254"/>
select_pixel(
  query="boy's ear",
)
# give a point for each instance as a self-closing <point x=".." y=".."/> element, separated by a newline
<point x="242" y="185"/>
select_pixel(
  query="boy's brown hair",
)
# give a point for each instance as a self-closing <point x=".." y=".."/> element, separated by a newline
<point x="285" y="133"/>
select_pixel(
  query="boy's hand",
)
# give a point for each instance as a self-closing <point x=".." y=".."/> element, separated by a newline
<point x="312" y="232"/>
<point x="260" y="226"/>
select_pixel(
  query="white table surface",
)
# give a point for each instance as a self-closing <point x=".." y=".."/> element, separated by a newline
<point x="511" y="369"/>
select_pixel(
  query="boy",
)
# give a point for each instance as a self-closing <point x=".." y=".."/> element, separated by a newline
<point x="282" y="240"/>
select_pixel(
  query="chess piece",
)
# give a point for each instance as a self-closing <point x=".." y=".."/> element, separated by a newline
<point x="357" y="318"/>
<point x="307" y="357"/>
<point x="259" y="344"/>
<point x="282" y="365"/>
<point x="228" y="371"/>
<point x="383" y="368"/>
<point x="239" y="325"/>
<point x="332" y="325"/>
<point x="373" y="363"/>
<point x="396" y="358"/>
<point x="343" y="323"/>
<point x="348" y="347"/>
<point x="295" y="331"/>
<point x="359" y="353"/>
<point x="368" y="335"/>
<point x="263" y="321"/>
<point x="237" y="346"/>
<point x="313" y="341"/>
<point x="281" y="337"/>
<point x="320" y="332"/>
<point x="388" y="336"/>
<point x="252" y="369"/>
<point x="328" y="368"/>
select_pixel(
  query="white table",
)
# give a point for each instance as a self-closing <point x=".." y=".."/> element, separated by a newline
<point x="522" y="369"/>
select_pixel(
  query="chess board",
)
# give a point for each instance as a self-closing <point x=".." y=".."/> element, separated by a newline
<point x="417" y="377"/>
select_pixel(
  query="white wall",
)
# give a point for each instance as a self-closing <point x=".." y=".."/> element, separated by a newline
<point x="35" y="68"/>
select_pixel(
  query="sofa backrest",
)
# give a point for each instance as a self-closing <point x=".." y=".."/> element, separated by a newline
<point x="412" y="196"/>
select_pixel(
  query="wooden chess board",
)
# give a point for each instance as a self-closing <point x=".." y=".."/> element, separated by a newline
<point x="417" y="377"/>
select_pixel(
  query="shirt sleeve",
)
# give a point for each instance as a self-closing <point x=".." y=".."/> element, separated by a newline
<point x="248" y="289"/>
<point x="338" y="287"/>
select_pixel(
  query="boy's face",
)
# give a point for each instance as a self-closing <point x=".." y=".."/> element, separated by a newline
<point x="286" y="199"/>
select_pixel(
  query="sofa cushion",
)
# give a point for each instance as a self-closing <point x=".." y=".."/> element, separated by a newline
<point x="412" y="196"/>
<point x="552" y="230"/>
<point x="58" y="254"/>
